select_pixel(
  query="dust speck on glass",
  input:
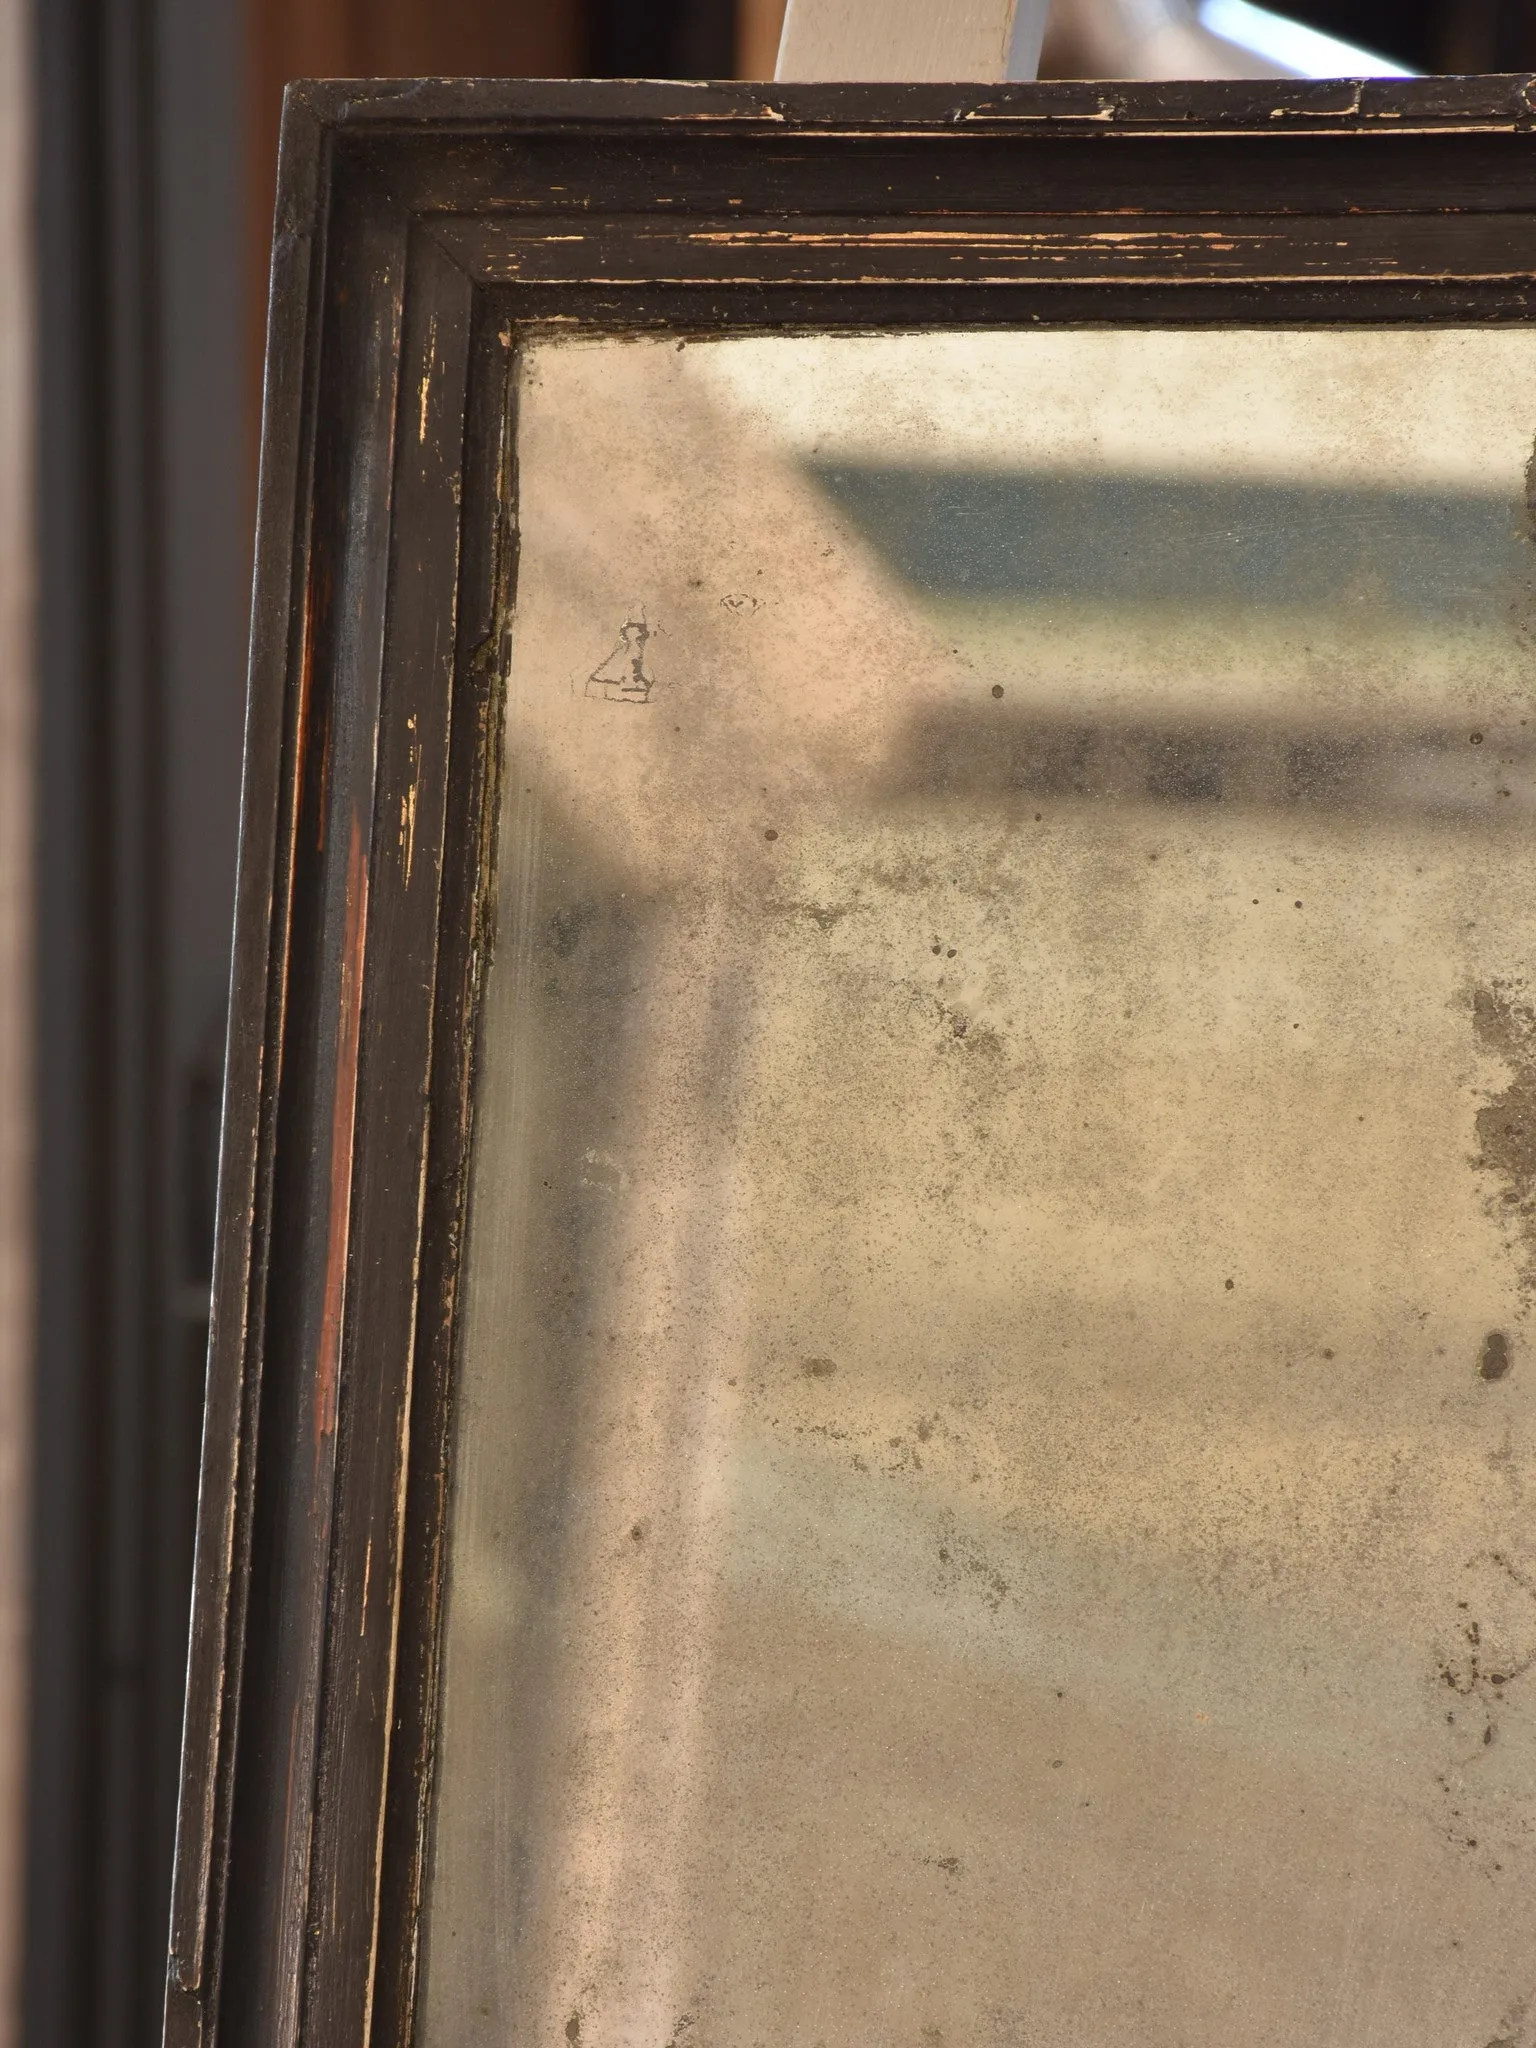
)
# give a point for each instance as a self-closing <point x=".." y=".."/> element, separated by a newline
<point x="996" y="1430"/>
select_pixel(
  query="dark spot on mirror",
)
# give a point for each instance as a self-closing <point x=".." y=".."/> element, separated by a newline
<point x="1496" y="1360"/>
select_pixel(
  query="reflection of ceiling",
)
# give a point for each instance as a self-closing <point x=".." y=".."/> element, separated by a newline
<point x="1186" y="542"/>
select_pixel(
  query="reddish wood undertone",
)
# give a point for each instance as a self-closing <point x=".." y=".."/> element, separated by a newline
<point x="420" y="227"/>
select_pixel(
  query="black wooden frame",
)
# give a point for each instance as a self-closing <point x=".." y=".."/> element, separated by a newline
<point x="421" y="227"/>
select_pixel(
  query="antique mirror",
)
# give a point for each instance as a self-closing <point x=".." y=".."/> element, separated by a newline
<point x="874" y="1378"/>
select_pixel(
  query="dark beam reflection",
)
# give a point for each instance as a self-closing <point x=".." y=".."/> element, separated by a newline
<point x="990" y="752"/>
<point x="1145" y="540"/>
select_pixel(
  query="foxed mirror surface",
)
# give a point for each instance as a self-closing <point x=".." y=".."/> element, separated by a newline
<point x="996" y="1423"/>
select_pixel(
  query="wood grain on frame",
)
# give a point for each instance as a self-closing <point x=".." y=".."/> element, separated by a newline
<point x="419" y="226"/>
<point x="16" y="972"/>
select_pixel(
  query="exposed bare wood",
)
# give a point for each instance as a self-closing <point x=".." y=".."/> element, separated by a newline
<point x="289" y="39"/>
<point x="939" y="40"/>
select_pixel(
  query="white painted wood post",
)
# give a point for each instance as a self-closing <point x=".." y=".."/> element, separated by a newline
<point x="941" y="40"/>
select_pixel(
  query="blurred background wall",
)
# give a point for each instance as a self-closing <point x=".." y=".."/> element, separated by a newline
<point x="137" y="157"/>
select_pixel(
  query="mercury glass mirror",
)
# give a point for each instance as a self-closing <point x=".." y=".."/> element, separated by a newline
<point x="879" y="1199"/>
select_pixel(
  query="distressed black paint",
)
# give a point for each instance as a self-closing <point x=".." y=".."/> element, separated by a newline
<point x="418" y="227"/>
